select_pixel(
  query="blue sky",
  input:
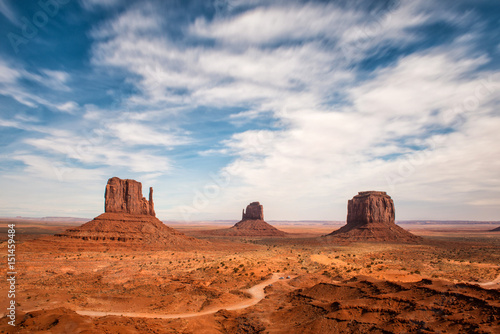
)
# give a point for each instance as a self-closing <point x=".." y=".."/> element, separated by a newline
<point x="296" y="104"/>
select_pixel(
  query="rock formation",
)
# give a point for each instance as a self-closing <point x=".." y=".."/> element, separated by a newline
<point x="371" y="217"/>
<point x="252" y="224"/>
<point x="125" y="196"/>
<point x="364" y="304"/>
<point x="254" y="211"/>
<point x="130" y="219"/>
<point x="496" y="229"/>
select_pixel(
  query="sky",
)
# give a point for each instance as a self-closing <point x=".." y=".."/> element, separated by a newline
<point x="215" y="104"/>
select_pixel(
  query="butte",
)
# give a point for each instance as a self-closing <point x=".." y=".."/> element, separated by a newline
<point x="128" y="220"/>
<point x="496" y="229"/>
<point x="252" y="224"/>
<point x="371" y="217"/>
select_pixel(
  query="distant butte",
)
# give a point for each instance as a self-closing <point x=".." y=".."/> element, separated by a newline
<point x="252" y="224"/>
<point x="129" y="219"/>
<point x="255" y="211"/>
<point x="496" y="229"/>
<point x="371" y="217"/>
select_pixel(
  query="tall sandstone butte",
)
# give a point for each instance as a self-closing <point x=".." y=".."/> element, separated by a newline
<point x="125" y="196"/>
<point x="255" y="211"/>
<point x="371" y="217"/>
<point x="129" y="219"/>
<point x="370" y="207"/>
<point x="252" y="224"/>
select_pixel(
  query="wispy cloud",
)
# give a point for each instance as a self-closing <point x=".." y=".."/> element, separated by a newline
<point x="7" y="11"/>
<point x="264" y="25"/>
<point x="68" y="107"/>
<point x="11" y="85"/>
<point x="98" y="150"/>
<point x="93" y="5"/>
<point x="140" y="134"/>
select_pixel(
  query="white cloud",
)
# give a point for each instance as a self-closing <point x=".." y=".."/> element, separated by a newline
<point x="92" y="5"/>
<point x="220" y="76"/>
<point x="106" y="145"/>
<point x="8" y="75"/>
<point x="68" y="107"/>
<point x="265" y="25"/>
<point x="354" y="31"/>
<point x="55" y="79"/>
<point x="8" y="12"/>
<point x="238" y="71"/>
<point x="52" y="169"/>
<point x="419" y="89"/>
<point x="96" y="151"/>
<point x="10" y="85"/>
<point x="139" y="134"/>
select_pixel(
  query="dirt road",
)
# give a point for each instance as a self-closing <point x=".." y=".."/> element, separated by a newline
<point x="490" y="285"/>
<point x="257" y="293"/>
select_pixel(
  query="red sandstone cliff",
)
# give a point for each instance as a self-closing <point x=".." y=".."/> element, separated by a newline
<point x="125" y="196"/>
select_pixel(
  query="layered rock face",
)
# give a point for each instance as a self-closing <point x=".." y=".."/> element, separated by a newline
<point x="371" y="217"/>
<point x="254" y="211"/>
<point x="129" y="219"/>
<point x="252" y="224"/>
<point x="370" y="207"/>
<point x="125" y="196"/>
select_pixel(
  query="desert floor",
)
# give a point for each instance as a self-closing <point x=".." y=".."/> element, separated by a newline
<point x="449" y="283"/>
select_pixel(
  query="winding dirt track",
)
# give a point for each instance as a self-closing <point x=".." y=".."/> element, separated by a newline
<point x="257" y="293"/>
<point x="490" y="285"/>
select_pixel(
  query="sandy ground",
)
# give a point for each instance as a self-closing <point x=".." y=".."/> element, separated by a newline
<point x="227" y="289"/>
<point x="256" y="293"/>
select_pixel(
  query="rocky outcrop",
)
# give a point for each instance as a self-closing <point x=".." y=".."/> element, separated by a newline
<point x="129" y="220"/>
<point x="496" y="229"/>
<point x="125" y="196"/>
<point x="364" y="304"/>
<point x="151" y="205"/>
<point x="125" y="227"/>
<point x="252" y="224"/>
<point x="254" y="211"/>
<point x="371" y="217"/>
<point x="370" y="207"/>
